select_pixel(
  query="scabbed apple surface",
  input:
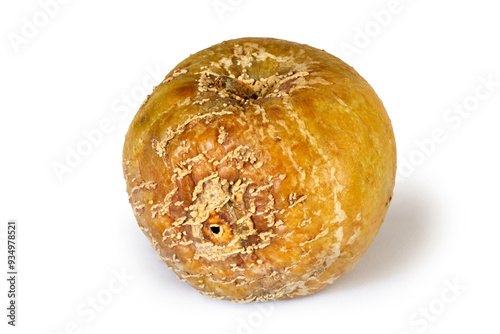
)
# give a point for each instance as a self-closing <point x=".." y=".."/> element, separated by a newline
<point x="260" y="169"/>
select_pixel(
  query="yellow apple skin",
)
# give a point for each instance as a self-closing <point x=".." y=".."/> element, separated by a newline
<point x="260" y="169"/>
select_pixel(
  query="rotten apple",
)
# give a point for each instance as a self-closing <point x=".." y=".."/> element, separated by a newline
<point x="260" y="169"/>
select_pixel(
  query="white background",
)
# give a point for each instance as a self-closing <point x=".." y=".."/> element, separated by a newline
<point x="89" y="59"/>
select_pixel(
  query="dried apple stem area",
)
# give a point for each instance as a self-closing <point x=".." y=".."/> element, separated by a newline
<point x="251" y="73"/>
<point x="235" y="86"/>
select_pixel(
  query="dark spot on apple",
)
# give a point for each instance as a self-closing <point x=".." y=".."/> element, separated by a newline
<point x="217" y="229"/>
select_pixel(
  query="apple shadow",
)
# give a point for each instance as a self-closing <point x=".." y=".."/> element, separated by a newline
<point x="399" y="242"/>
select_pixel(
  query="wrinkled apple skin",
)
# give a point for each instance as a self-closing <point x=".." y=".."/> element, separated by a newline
<point x="267" y="185"/>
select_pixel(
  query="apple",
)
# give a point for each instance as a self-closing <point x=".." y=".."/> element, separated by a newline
<point x="260" y="169"/>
